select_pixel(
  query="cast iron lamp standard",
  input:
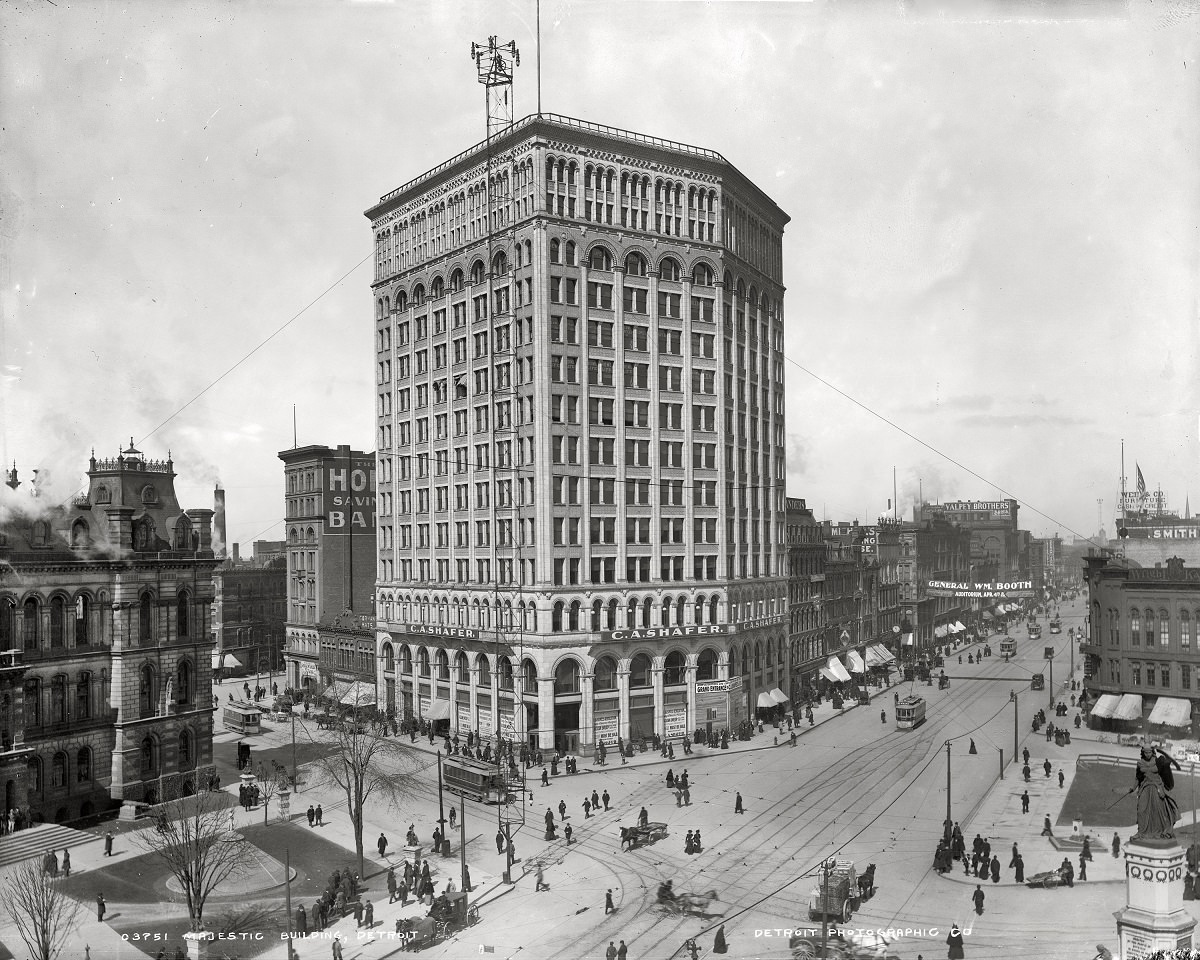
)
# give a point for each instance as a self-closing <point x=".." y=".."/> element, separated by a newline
<point x="444" y="844"/>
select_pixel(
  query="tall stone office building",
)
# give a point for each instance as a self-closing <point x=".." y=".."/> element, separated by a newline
<point x="579" y="358"/>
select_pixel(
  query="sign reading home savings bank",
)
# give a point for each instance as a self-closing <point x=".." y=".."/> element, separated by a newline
<point x="966" y="590"/>
<point x="350" y="498"/>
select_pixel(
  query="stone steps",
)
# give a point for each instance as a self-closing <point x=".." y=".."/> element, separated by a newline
<point x="35" y="841"/>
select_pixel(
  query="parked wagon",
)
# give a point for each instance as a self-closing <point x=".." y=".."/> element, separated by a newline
<point x="1047" y="880"/>
<point x="805" y="944"/>
<point x="634" y="837"/>
<point x="450" y="912"/>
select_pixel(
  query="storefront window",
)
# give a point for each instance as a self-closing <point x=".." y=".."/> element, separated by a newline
<point x="675" y="670"/>
<point x="639" y="671"/>
<point x="606" y="674"/>
<point x="528" y="677"/>
<point x="566" y="677"/>
<point x="483" y="671"/>
<point x="706" y="665"/>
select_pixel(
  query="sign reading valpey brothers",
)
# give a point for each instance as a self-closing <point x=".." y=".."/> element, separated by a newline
<point x="965" y="590"/>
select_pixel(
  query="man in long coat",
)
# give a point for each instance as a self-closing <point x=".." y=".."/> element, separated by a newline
<point x="995" y="869"/>
<point x="1019" y="869"/>
<point x="977" y="897"/>
<point x="301" y="921"/>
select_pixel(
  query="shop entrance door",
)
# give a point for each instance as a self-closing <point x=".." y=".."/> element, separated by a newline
<point x="566" y="727"/>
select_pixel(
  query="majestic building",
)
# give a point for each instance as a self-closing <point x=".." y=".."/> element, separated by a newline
<point x="330" y="519"/>
<point x="1141" y="648"/>
<point x="579" y="335"/>
<point x="249" y="611"/>
<point x="104" y="610"/>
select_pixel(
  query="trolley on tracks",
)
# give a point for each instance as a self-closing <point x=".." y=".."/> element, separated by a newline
<point x="910" y="713"/>
<point x="477" y="780"/>
<point x="1008" y="647"/>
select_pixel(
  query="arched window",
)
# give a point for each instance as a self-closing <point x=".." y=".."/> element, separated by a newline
<point x="712" y="610"/>
<point x="58" y="699"/>
<point x="58" y="771"/>
<point x="573" y="615"/>
<point x="185" y="749"/>
<point x="83" y="696"/>
<point x="666" y="611"/>
<point x="1185" y="630"/>
<point x="702" y="275"/>
<point x="418" y="294"/>
<point x="566" y="676"/>
<point x="30" y="617"/>
<point x="389" y="659"/>
<point x="477" y="272"/>
<point x="675" y="668"/>
<point x="182" y="602"/>
<point x="631" y="615"/>
<point x="635" y="265"/>
<point x="483" y="671"/>
<point x="443" y="665"/>
<point x="79" y="533"/>
<point x="183" y="534"/>
<point x="528" y="677"/>
<point x="183" y="682"/>
<point x="33" y="702"/>
<point x="599" y="259"/>
<point x="144" y="618"/>
<point x="8" y="623"/>
<point x="745" y="659"/>
<point x="706" y="664"/>
<point x="612" y="613"/>
<point x="1151" y="628"/>
<point x="1135" y="628"/>
<point x="462" y="668"/>
<point x="597" y="614"/>
<point x="555" y="256"/>
<point x="639" y="671"/>
<point x="605" y="674"/>
<point x="83" y="616"/>
<point x="146" y="691"/>
<point x="504" y="672"/>
<point x="569" y="254"/>
<point x="499" y="264"/>
<point x="646" y="607"/>
<point x="437" y="289"/>
<point x="405" y="660"/>
<point x="1164" y="621"/>
<point x="423" y="662"/>
<point x="149" y="754"/>
<point x="83" y="765"/>
<point x="58" y="618"/>
<point x="456" y="281"/>
<point x="668" y="269"/>
<point x="556" y="616"/>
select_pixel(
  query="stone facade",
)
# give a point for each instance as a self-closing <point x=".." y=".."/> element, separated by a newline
<point x="104" y="614"/>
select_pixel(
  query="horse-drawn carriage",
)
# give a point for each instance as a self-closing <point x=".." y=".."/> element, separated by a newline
<point x="634" y="837"/>
<point x="841" y="945"/>
<point x="1047" y="880"/>
<point x="693" y="904"/>
<point x="448" y="914"/>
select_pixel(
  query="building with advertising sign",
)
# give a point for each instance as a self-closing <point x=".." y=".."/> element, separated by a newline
<point x="104" y="627"/>
<point x="329" y="506"/>
<point x="581" y="436"/>
<point x="1141" y="652"/>
<point x="995" y="538"/>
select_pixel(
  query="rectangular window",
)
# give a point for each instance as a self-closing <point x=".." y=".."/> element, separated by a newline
<point x="601" y="492"/>
<point x="634" y="300"/>
<point x="601" y="451"/>
<point x="669" y="342"/>
<point x="702" y="309"/>
<point x="1164" y="676"/>
<point x="1185" y="633"/>
<point x="600" y="295"/>
<point x="670" y="378"/>
<point x="637" y="413"/>
<point x="669" y="304"/>
<point x="1185" y="676"/>
<point x="704" y="345"/>
<point x="600" y="412"/>
<point x="637" y="493"/>
<point x="603" y="530"/>
<point x="637" y="530"/>
<point x="670" y="453"/>
<point x="1136" y="669"/>
<point x="564" y="329"/>
<point x="1135" y="629"/>
<point x="600" y="333"/>
<point x="600" y="373"/>
<point x="637" y="375"/>
<point x="637" y="337"/>
<point x="637" y="453"/>
<point x="672" y="491"/>
<point x="604" y="570"/>
<point x="670" y="416"/>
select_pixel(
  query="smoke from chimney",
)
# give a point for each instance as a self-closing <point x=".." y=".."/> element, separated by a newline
<point x="219" y="523"/>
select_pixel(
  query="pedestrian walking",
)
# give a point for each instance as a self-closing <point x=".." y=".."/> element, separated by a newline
<point x="567" y="831"/>
<point x="696" y="847"/>
<point x="883" y="716"/>
<point x="719" y="940"/>
<point x="1019" y="870"/>
<point x="687" y="797"/>
<point x="1061" y="778"/>
<point x="1025" y="772"/>
<point x="562" y="810"/>
<point x="541" y="883"/>
<point x="402" y="893"/>
<point x="1086" y="852"/>
<point x="611" y="952"/>
<point x="101" y="906"/>
<point x="973" y="751"/>
<point x="453" y="817"/>
<point x="311" y="814"/>
<point x="337" y="947"/>
<point x="643" y="817"/>
<point x="382" y="844"/>
<point x="687" y="843"/>
<point x="995" y="869"/>
<point x="1025" y="756"/>
<point x="955" y="942"/>
<point x="609" y="908"/>
<point x="1025" y="802"/>
<point x="545" y="778"/>
<point x="587" y="808"/>
<point x="369" y="914"/>
<point x="320" y="822"/>
<point x="737" y="804"/>
<point x="622" y="951"/>
<point x="108" y="841"/>
<point x="1068" y="872"/>
<point x="391" y="884"/>
<point x="66" y="863"/>
<point x="605" y="797"/>
<point x="977" y="896"/>
<point x="301" y="921"/>
<point x="1047" y="767"/>
<point x="595" y="801"/>
<point x="1116" y="845"/>
<point x="499" y="841"/>
<point x="1082" y="868"/>
<point x="1047" y="831"/>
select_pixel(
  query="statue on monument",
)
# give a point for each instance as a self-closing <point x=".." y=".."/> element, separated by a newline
<point x="1157" y="810"/>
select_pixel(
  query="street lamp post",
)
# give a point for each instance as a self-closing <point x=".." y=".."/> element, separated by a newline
<point x="949" y="820"/>
<point x="445" y="844"/>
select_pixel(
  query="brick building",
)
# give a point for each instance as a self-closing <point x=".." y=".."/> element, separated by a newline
<point x="104" y="610"/>
<point x="249" y="612"/>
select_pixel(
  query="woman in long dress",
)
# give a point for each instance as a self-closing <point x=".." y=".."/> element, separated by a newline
<point x="1156" y="808"/>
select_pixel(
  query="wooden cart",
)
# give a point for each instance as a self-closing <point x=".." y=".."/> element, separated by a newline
<point x="638" y="836"/>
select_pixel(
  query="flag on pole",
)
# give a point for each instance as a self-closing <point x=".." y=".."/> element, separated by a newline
<point x="1141" y="481"/>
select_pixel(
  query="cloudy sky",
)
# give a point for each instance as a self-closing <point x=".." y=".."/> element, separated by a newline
<point x="991" y="264"/>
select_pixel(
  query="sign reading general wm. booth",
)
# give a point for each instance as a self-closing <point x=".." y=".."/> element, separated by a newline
<point x="350" y="498"/>
<point x="995" y="590"/>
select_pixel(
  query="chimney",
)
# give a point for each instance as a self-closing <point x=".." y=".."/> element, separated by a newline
<point x="236" y="550"/>
<point x="219" y="523"/>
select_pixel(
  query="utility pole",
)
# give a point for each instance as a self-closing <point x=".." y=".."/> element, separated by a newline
<point x="462" y="846"/>
<point x="445" y="844"/>
<point x="949" y="819"/>
<point x="824" y="908"/>
<point x="287" y="873"/>
<point x="1012" y="695"/>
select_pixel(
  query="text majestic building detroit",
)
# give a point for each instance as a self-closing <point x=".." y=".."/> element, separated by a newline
<point x="579" y="336"/>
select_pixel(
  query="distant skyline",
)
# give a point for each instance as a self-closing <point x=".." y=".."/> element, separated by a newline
<point x="993" y="248"/>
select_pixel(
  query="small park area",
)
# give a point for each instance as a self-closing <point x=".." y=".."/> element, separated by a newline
<point x="1100" y="793"/>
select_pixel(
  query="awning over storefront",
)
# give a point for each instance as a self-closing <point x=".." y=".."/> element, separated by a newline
<point x="878" y="656"/>
<point x="438" y="710"/>
<point x="855" y="661"/>
<point x="839" y="671"/>
<point x="226" y="660"/>
<point x="765" y="702"/>
<point x="1172" y="712"/>
<point x="356" y="694"/>
<point x="828" y="674"/>
<point x="987" y="615"/>
<point x="778" y="695"/>
<point x="958" y="626"/>
<point x="1106" y="705"/>
<point x="1130" y="707"/>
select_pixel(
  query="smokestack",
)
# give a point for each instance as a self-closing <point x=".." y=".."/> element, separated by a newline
<point x="219" y="523"/>
<point x="236" y="550"/>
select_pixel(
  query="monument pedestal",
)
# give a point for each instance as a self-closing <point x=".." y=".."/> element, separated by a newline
<point x="197" y="944"/>
<point x="1153" y="918"/>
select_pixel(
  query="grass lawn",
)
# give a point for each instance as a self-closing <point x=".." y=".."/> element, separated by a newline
<point x="1098" y="796"/>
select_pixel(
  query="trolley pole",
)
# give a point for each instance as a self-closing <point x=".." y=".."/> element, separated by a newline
<point x="462" y="844"/>
<point x="949" y="819"/>
<point x="444" y="845"/>
<point x="824" y="908"/>
<point x="1051" y="685"/>
<point x="295" y="769"/>
<point x="287" y="873"/>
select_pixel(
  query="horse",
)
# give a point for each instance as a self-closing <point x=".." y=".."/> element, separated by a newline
<point x="866" y="882"/>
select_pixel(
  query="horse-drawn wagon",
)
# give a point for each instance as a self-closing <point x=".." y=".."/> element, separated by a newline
<point x="643" y="833"/>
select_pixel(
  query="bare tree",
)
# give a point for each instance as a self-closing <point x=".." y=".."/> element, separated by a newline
<point x="270" y="785"/>
<point x="41" y="911"/>
<point x="363" y="764"/>
<point x="194" y="837"/>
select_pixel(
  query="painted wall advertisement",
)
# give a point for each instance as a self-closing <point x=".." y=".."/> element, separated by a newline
<point x="464" y="718"/>
<point x="423" y="703"/>
<point x="675" y="721"/>
<point x="485" y="721"/>
<point x="508" y="729"/>
<point x="605" y="727"/>
<point x="720" y="703"/>
<point x="350" y="497"/>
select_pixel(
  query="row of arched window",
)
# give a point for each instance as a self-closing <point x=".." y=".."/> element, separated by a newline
<point x="60" y="620"/>
<point x="64" y="775"/>
<point x="1148" y="627"/>
<point x="742" y="659"/>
